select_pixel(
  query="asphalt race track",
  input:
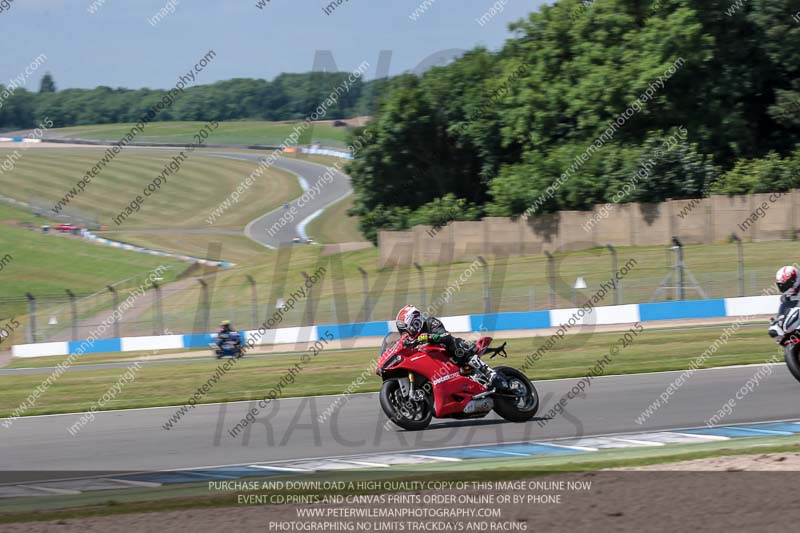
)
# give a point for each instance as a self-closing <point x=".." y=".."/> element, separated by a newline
<point x="287" y="429"/>
<point x="309" y="175"/>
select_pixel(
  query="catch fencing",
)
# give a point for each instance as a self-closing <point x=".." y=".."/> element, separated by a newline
<point x="352" y="294"/>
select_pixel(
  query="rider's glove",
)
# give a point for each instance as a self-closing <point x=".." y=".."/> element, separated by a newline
<point x="409" y="343"/>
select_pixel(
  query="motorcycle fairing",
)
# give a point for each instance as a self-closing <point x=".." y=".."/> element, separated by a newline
<point x="451" y="391"/>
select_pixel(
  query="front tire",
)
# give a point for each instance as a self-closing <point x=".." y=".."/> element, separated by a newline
<point x="792" y="356"/>
<point x="409" y="414"/>
<point x="525" y="405"/>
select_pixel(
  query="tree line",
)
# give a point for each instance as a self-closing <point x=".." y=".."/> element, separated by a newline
<point x="286" y="97"/>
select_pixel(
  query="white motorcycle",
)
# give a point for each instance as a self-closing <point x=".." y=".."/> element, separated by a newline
<point x="784" y="329"/>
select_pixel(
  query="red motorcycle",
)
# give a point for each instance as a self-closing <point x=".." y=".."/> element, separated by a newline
<point x="421" y="382"/>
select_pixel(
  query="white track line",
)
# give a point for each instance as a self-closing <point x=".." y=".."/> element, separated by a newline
<point x="502" y="452"/>
<point x="438" y="458"/>
<point x="277" y="468"/>
<point x="786" y="433"/>
<point x="708" y="437"/>
<point x="301" y="227"/>
<point x="580" y="448"/>
<point x="50" y="490"/>
<point x="364" y="463"/>
<point x="148" y="484"/>
<point x="638" y="442"/>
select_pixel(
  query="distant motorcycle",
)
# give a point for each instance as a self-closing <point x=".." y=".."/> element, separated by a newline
<point x="229" y="347"/>
<point x="421" y="382"/>
<point x="784" y="330"/>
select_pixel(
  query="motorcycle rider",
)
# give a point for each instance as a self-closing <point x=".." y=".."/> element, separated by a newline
<point x="787" y="279"/>
<point x="431" y="330"/>
<point x="225" y="334"/>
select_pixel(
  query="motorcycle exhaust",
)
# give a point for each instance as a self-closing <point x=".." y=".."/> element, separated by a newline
<point x="483" y="405"/>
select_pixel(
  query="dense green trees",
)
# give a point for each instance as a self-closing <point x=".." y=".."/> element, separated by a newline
<point x="497" y="130"/>
<point x="47" y="84"/>
<point x="287" y="97"/>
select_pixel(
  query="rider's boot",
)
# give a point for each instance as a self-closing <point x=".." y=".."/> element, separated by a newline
<point x="496" y="379"/>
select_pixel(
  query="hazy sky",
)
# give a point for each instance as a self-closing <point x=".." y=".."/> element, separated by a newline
<point x="118" y="47"/>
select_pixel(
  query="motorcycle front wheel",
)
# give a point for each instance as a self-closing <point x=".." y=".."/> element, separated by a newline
<point x="412" y="415"/>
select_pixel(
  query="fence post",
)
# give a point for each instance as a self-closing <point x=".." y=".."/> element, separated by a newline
<point x="740" y="249"/>
<point x="367" y="310"/>
<point x="487" y="295"/>
<point x="421" y="284"/>
<point x="74" y="310"/>
<point x="114" y="306"/>
<point x="158" y="321"/>
<point x="253" y="300"/>
<point x="678" y="247"/>
<point x="309" y="319"/>
<point x="32" y="314"/>
<point x="551" y="279"/>
<point x="614" y="281"/>
<point x="204" y="305"/>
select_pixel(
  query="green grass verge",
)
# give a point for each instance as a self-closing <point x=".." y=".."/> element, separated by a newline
<point x="231" y="132"/>
<point x="334" y="226"/>
<point x="234" y="248"/>
<point x="47" y="264"/>
<point x="185" y="201"/>
<point x="332" y="371"/>
<point x="197" y="496"/>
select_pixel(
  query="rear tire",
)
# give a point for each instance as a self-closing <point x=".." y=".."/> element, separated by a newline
<point x="409" y="415"/>
<point x="792" y="356"/>
<point x="526" y="405"/>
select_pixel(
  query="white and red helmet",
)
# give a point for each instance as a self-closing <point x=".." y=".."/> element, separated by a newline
<point x="409" y="320"/>
<point x="785" y="278"/>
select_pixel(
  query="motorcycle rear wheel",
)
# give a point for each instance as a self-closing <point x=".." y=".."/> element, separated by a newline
<point x="791" y="354"/>
<point x="526" y="405"/>
<point x="410" y="415"/>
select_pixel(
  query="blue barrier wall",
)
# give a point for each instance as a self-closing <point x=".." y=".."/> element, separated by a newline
<point x="746" y="306"/>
